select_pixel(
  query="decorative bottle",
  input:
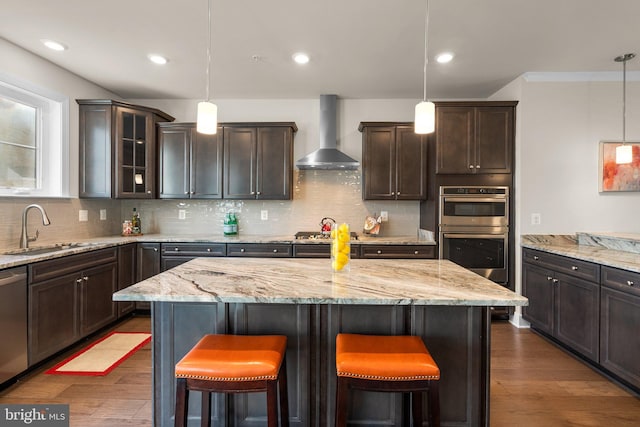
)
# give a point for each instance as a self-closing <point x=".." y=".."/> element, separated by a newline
<point x="136" y="226"/>
<point x="227" y="228"/>
<point x="340" y="247"/>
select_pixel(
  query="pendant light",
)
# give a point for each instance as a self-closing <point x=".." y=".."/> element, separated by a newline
<point x="624" y="152"/>
<point x="425" y="118"/>
<point x="207" y="118"/>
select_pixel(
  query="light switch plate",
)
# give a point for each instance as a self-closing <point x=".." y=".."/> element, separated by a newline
<point x="83" y="215"/>
<point x="264" y="215"/>
<point x="536" y="219"/>
<point x="182" y="214"/>
<point x="384" y="215"/>
<point x="103" y="214"/>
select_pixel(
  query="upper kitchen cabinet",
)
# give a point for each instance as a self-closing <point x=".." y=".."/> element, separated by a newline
<point x="394" y="165"/>
<point x="258" y="160"/>
<point x="474" y="137"/>
<point x="190" y="163"/>
<point x="118" y="149"/>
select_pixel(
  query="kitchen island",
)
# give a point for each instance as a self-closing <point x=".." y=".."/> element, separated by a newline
<point x="301" y="298"/>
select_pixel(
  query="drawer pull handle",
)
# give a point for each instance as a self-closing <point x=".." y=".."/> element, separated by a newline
<point x="208" y="249"/>
<point x="379" y="251"/>
<point x="549" y="278"/>
<point x="416" y="252"/>
<point x="275" y="251"/>
<point x="536" y="257"/>
<point x="555" y="280"/>
<point x="630" y="283"/>
<point x="176" y="249"/>
<point x="242" y="250"/>
<point x="574" y="268"/>
<point x="78" y="281"/>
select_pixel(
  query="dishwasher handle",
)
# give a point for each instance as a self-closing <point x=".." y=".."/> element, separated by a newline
<point x="11" y="278"/>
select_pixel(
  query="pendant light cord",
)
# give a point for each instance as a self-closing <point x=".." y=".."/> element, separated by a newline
<point x="624" y="100"/>
<point x="426" y="30"/>
<point x="208" y="48"/>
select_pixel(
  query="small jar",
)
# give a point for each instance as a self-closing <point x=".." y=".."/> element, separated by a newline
<point x="340" y="248"/>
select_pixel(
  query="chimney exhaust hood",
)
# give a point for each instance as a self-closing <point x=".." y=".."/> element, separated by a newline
<point x="327" y="157"/>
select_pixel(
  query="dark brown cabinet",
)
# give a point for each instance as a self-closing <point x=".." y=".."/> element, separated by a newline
<point x="260" y="250"/>
<point x="258" y="160"/>
<point x="394" y="165"/>
<point x="564" y="299"/>
<point x="174" y="254"/>
<point x="148" y="264"/>
<point x="474" y="137"/>
<point x="190" y="163"/>
<point x="619" y="320"/>
<point x="398" y="251"/>
<point x="69" y="298"/>
<point x="126" y="275"/>
<point x="320" y="250"/>
<point x="118" y="149"/>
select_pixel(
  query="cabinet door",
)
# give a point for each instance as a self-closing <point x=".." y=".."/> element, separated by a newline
<point x="135" y="154"/>
<point x="126" y="275"/>
<point x="379" y="163"/>
<point x="95" y="151"/>
<point x="274" y="163"/>
<point x="537" y="285"/>
<point x="206" y="165"/>
<point x="577" y="306"/>
<point x="239" y="163"/>
<point x="494" y="139"/>
<point x="53" y="323"/>
<point x="174" y="145"/>
<point x="619" y="337"/>
<point x="411" y="164"/>
<point x="148" y="264"/>
<point x="97" y="308"/>
<point x="455" y="127"/>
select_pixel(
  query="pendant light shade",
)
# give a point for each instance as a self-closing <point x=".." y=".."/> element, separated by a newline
<point x="425" y="118"/>
<point x="624" y="153"/>
<point x="207" y="121"/>
<point x="207" y="117"/>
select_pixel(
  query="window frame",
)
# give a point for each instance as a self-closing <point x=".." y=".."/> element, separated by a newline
<point x="52" y="137"/>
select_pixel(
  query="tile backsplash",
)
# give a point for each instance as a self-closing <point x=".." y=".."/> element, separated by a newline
<point x="316" y="194"/>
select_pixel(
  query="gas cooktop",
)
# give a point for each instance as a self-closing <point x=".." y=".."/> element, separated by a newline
<point x="314" y="235"/>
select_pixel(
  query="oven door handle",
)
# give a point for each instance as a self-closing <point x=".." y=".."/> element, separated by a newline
<point x="474" y="236"/>
<point x="473" y="199"/>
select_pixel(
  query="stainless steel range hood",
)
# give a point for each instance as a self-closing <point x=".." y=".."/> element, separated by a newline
<point x="327" y="156"/>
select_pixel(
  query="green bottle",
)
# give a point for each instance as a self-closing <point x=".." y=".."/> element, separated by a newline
<point x="227" y="228"/>
<point x="234" y="224"/>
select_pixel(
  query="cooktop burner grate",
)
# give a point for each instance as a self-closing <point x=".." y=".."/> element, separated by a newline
<point x="314" y="235"/>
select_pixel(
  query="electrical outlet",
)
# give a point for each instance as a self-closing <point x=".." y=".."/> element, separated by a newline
<point x="182" y="214"/>
<point x="264" y="215"/>
<point x="83" y="215"/>
<point x="384" y="215"/>
<point x="536" y="219"/>
<point x="103" y="214"/>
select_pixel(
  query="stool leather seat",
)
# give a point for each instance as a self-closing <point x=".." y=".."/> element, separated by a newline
<point x="234" y="364"/>
<point x="391" y="358"/>
<point x="394" y="363"/>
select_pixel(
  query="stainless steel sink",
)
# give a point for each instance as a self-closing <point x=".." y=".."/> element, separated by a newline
<point x="39" y="250"/>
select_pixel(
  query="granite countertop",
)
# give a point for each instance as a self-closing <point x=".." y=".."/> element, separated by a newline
<point x="618" y="250"/>
<point x="311" y="281"/>
<point x="85" y="245"/>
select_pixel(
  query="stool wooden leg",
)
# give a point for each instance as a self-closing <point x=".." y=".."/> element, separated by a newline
<point x="342" y="392"/>
<point x="416" y="408"/>
<point x="284" y="396"/>
<point x="205" y="416"/>
<point x="272" y="403"/>
<point x="434" y="404"/>
<point x="182" y="403"/>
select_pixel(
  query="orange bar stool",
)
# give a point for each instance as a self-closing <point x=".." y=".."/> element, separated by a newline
<point x="387" y="363"/>
<point x="234" y="364"/>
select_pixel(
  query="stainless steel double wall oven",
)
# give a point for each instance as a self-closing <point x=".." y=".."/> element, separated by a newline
<point x="474" y="229"/>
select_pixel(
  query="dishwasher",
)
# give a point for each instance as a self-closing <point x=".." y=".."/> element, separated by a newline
<point x="13" y="322"/>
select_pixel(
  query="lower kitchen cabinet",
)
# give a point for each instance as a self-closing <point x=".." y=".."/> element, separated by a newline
<point x="262" y="250"/>
<point x="398" y="251"/>
<point x="126" y="276"/>
<point x="619" y="320"/>
<point x="69" y="298"/>
<point x="320" y="250"/>
<point x="564" y="300"/>
<point x="148" y="264"/>
<point x="174" y="254"/>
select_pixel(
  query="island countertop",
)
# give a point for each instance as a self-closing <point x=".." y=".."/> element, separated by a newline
<point x="311" y="281"/>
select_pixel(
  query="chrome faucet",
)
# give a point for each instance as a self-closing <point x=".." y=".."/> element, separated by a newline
<point x="24" y="238"/>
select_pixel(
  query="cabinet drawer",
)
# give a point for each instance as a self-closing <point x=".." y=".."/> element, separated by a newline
<point x="621" y="280"/>
<point x="194" y="250"/>
<point x="320" y="251"/>
<point x="44" y="270"/>
<point x="571" y="266"/>
<point x="259" y="250"/>
<point x="397" y="251"/>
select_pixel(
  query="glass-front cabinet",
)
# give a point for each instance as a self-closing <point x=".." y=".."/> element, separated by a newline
<point x="118" y="149"/>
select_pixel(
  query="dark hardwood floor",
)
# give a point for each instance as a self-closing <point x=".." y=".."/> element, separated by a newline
<point x="533" y="383"/>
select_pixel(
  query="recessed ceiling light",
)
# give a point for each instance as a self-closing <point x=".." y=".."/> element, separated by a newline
<point x="54" y="45"/>
<point x="301" y="58"/>
<point x="445" y="57"/>
<point x="157" y="59"/>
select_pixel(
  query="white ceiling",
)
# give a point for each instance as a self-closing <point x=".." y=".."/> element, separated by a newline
<point x="358" y="48"/>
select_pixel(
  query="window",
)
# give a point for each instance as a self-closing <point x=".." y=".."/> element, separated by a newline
<point x="34" y="141"/>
